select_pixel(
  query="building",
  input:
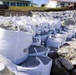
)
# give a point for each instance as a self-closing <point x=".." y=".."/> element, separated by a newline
<point x="58" y="3"/>
<point x="17" y="2"/>
<point x="51" y="4"/>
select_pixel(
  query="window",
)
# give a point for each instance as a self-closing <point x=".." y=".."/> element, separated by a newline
<point x="8" y="3"/>
<point x="62" y="4"/>
<point x="66" y="4"/>
<point x="14" y="4"/>
<point x="4" y="3"/>
<point x="58" y="5"/>
<point x="24" y="4"/>
<point x="11" y="3"/>
<point x="18" y="4"/>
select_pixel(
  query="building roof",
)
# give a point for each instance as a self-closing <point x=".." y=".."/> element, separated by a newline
<point x="74" y="1"/>
<point x="29" y="1"/>
<point x="69" y="1"/>
<point x="16" y="0"/>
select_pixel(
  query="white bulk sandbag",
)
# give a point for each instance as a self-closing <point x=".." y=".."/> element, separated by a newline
<point x="40" y="51"/>
<point x="32" y="66"/>
<point x="44" y="36"/>
<point x="57" y="24"/>
<point x="34" y="20"/>
<point x="33" y="27"/>
<point x="38" y="30"/>
<point x="29" y="29"/>
<point x="69" y="34"/>
<point x="51" y="25"/>
<point x="44" y="27"/>
<point x="20" y="22"/>
<point x="54" y="42"/>
<point x="73" y="32"/>
<point x="62" y="36"/>
<point x="14" y="44"/>
<point x="47" y="65"/>
<point x="37" y="40"/>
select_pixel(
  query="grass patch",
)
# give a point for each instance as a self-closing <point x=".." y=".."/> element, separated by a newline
<point x="24" y="8"/>
<point x="28" y="8"/>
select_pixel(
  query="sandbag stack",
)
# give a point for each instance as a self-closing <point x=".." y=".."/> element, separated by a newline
<point x="27" y="41"/>
<point x="22" y="34"/>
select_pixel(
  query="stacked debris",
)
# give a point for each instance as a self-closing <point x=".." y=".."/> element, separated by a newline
<point x="69" y="52"/>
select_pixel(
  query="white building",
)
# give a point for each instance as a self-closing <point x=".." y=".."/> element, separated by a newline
<point x="51" y="4"/>
<point x="58" y="3"/>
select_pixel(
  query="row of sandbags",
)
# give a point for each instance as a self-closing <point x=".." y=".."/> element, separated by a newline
<point x="22" y="32"/>
<point x="15" y="42"/>
<point x="37" y="25"/>
<point x="60" y="31"/>
<point x="54" y="32"/>
<point x="19" y="33"/>
<point x="59" y="39"/>
<point x="56" y="39"/>
<point x="63" y="15"/>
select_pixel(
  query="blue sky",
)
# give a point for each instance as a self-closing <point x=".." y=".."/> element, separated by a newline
<point x="39" y="2"/>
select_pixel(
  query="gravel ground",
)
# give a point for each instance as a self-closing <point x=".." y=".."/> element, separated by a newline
<point x="69" y="51"/>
